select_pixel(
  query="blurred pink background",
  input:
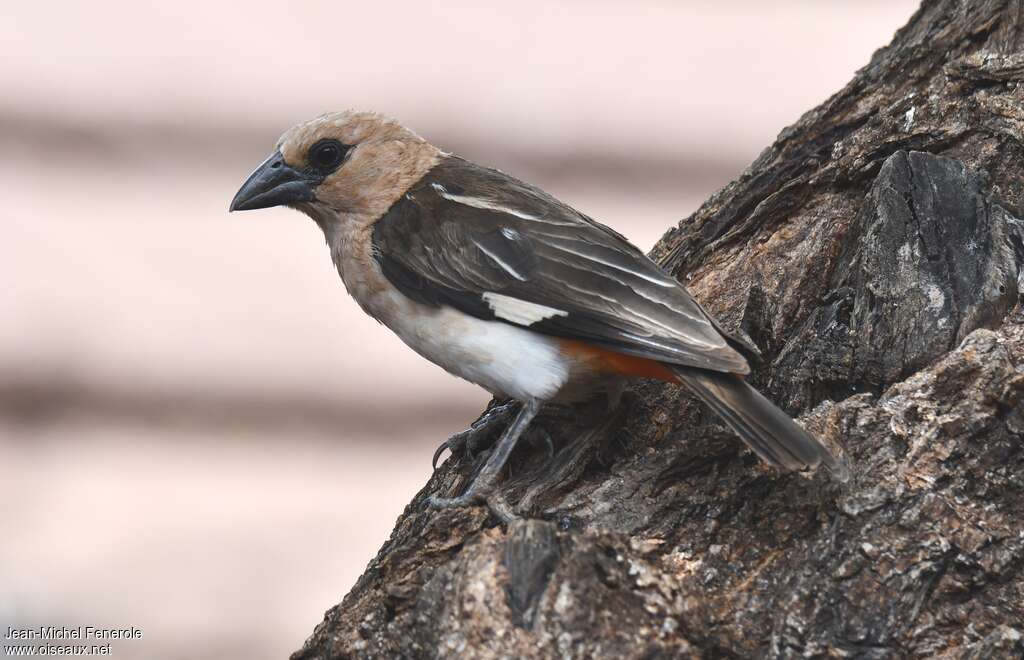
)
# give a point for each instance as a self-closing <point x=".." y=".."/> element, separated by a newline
<point x="200" y="434"/>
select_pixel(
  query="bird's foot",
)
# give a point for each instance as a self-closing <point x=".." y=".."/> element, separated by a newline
<point x="474" y="496"/>
<point x="538" y="436"/>
<point x="464" y="442"/>
<point x="469" y="498"/>
<point x="477" y="436"/>
<point x="483" y="486"/>
<point x="469" y="441"/>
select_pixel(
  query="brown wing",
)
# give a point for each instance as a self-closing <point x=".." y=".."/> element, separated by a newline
<point x="494" y="247"/>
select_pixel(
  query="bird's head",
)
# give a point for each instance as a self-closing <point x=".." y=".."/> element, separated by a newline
<point x="342" y="165"/>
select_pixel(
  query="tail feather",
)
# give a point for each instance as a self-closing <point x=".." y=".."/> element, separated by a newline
<point x="771" y="433"/>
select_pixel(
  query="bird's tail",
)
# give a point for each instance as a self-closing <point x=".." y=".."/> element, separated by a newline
<point x="770" y="432"/>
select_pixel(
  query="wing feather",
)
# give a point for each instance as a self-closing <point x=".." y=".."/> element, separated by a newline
<point x="494" y="247"/>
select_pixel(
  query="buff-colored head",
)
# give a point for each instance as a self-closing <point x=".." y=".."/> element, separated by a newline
<point x="340" y="166"/>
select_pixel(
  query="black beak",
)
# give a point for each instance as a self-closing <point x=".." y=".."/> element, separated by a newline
<point x="274" y="183"/>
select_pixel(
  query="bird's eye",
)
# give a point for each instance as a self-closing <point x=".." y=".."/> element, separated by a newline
<point x="326" y="155"/>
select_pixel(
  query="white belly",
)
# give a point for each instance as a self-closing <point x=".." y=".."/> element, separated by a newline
<point x="501" y="358"/>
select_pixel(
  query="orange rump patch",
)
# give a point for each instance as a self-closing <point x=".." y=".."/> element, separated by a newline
<point x="601" y="359"/>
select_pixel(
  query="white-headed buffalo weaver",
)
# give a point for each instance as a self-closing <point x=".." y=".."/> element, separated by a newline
<point x="502" y="284"/>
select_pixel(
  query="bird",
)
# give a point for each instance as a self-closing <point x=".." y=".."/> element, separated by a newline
<point x="505" y="286"/>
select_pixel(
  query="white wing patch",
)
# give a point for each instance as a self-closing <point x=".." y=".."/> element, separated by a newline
<point x="519" y="311"/>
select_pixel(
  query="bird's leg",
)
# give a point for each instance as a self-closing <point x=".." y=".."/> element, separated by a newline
<point x="473" y="438"/>
<point x="483" y="485"/>
<point x="539" y="437"/>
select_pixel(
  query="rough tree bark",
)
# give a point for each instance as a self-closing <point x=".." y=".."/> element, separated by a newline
<point x="873" y="255"/>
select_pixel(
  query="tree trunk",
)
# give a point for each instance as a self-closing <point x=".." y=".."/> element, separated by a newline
<point x="872" y="254"/>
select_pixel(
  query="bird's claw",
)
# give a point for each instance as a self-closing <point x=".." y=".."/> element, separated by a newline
<point x="484" y="482"/>
<point x="495" y="502"/>
<point x="475" y="437"/>
<point x="468" y="442"/>
<point x="468" y="498"/>
<point x="453" y="444"/>
<point x="542" y="437"/>
<point x="478" y="491"/>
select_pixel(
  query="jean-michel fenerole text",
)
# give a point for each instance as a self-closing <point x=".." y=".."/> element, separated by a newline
<point x="76" y="632"/>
